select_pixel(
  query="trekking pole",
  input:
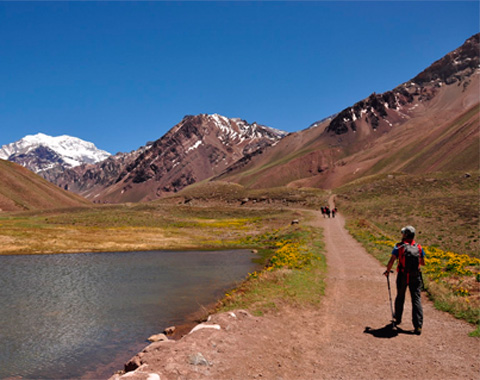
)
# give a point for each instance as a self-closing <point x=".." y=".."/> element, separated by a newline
<point x="390" y="296"/>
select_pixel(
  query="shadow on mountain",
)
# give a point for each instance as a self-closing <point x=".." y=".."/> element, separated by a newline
<point x="388" y="331"/>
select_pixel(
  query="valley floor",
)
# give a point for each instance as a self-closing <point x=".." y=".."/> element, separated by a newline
<point x="347" y="337"/>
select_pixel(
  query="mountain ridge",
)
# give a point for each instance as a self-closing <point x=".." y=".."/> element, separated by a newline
<point x="195" y="149"/>
<point x="366" y="137"/>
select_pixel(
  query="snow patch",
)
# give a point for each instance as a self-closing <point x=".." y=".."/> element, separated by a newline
<point x="194" y="146"/>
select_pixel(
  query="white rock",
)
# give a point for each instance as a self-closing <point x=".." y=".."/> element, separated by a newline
<point x="204" y="326"/>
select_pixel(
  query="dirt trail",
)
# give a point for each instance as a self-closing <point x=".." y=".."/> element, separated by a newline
<point x="345" y="338"/>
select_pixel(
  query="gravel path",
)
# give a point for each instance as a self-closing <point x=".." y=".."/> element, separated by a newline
<point x="347" y="337"/>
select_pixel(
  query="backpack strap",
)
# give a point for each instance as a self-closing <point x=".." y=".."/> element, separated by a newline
<point x="401" y="256"/>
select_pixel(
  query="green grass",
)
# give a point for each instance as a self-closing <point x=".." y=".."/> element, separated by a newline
<point x="294" y="273"/>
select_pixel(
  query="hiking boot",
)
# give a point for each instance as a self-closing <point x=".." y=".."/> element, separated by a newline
<point x="417" y="331"/>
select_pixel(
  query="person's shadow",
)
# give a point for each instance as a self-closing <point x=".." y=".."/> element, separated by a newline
<point x="389" y="331"/>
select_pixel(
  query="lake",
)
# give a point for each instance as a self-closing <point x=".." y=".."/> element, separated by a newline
<point x="64" y="315"/>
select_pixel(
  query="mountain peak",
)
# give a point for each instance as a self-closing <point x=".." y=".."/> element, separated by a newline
<point x="455" y="66"/>
<point x="40" y="152"/>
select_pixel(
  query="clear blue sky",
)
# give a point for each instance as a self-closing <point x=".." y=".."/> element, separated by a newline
<point x="120" y="74"/>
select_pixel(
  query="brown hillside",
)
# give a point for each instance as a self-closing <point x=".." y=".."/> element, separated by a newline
<point x="421" y="127"/>
<point x="21" y="189"/>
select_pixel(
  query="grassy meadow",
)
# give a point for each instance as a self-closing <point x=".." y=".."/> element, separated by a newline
<point x="132" y="228"/>
<point x="207" y="218"/>
<point x="444" y="208"/>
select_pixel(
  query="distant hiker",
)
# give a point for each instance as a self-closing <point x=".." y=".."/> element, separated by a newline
<point x="324" y="211"/>
<point x="410" y="257"/>
<point x="333" y="212"/>
<point x="327" y="210"/>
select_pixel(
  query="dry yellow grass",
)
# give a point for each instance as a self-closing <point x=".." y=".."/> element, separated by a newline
<point x="133" y="227"/>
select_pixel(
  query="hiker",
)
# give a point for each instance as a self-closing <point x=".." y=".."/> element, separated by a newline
<point x="323" y="212"/>
<point x="410" y="257"/>
<point x="327" y="210"/>
<point x="333" y="212"/>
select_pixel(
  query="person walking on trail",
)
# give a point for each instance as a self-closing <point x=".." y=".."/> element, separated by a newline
<point x="410" y="256"/>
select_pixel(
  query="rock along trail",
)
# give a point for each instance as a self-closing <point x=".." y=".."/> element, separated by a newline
<point x="347" y="337"/>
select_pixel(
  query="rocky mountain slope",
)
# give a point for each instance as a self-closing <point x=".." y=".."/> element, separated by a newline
<point x="429" y="123"/>
<point x="21" y="189"/>
<point x="41" y="152"/>
<point x="197" y="148"/>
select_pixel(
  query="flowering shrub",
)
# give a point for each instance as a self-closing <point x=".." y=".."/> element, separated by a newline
<point x="440" y="264"/>
<point x="225" y="223"/>
<point x="289" y="250"/>
<point x="290" y="255"/>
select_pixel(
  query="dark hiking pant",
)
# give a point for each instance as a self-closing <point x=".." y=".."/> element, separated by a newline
<point x="414" y="283"/>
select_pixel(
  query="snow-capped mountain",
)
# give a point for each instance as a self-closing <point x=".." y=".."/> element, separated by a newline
<point x="41" y="152"/>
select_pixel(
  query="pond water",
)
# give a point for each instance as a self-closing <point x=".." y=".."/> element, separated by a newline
<point x="64" y="315"/>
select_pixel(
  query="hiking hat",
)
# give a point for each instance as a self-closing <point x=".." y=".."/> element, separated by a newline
<point x="409" y="230"/>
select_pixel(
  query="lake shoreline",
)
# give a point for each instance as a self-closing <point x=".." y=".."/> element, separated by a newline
<point x="117" y="365"/>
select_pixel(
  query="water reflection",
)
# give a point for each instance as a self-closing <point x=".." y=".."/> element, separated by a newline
<point x="62" y="315"/>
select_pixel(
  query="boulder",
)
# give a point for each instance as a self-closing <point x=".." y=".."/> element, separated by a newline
<point x="133" y="364"/>
<point x="158" y="338"/>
